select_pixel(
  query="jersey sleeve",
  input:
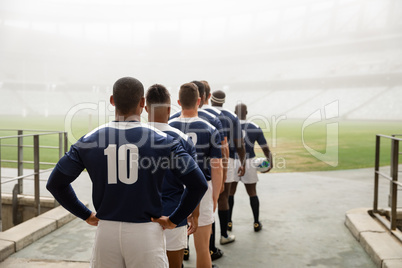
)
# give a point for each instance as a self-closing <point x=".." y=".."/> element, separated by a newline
<point x="59" y="185"/>
<point x="237" y="130"/>
<point x="219" y="127"/>
<point x="215" y="149"/>
<point x="260" y="138"/>
<point x="196" y="186"/>
<point x="191" y="149"/>
<point x="225" y="125"/>
<point x="72" y="164"/>
<point x="181" y="162"/>
<point x="175" y="115"/>
<point x="188" y="172"/>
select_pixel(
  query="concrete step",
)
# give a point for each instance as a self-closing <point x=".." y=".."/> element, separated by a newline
<point x="24" y="234"/>
<point x="382" y="247"/>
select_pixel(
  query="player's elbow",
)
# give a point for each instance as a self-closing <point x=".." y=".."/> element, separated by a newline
<point x="199" y="184"/>
<point x="202" y="181"/>
<point x="50" y="185"/>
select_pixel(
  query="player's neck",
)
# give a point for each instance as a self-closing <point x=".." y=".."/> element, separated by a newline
<point x="189" y="113"/>
<point x="157" y="119"/>
<point x="128" y="117"/>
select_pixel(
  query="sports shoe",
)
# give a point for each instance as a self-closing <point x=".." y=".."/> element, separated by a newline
<point x="226" y="240"/>
<point x="217" y="254"/>
<point x="186" y="254"/>
<point x="230" y="224"/>
<point x="214" y="266"/>
<point x="257" y="226"/>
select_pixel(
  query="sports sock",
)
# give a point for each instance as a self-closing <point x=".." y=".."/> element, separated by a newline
<point x="212" y="239"/>
<point x="255" y="206"/>
<point x="231" y="204"/>
<point x="223" y="220"/>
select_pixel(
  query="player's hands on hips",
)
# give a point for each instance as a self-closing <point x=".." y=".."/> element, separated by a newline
<point x="165" y="222"/>
<point x="241" y="171"/>
<point x="92" y="219"/>
<point x="192" y="224"/>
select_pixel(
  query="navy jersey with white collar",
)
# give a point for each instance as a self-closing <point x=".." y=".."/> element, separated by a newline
<point x="126" y="162"/>
<point x="210" y="118"/>
<point x="252" y="133"/>
<point x="218" y="114"/>
<point x="205" y="137"/>
<point x="172" y="187"/>
<point x="233" y="129"/>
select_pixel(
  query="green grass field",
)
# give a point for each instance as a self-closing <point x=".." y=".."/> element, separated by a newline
<point x="356" y="142"/>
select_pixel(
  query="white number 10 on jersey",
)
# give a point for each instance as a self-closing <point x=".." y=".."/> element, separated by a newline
<point x="125" y="151"/>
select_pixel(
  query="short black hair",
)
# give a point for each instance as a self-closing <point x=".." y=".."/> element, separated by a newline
<point x="188" y="95"/>
<point x="201" y="88"/>
<point x="157" y="94"/>
<point x="127" y="93"/>
<point x="219" y="94"/>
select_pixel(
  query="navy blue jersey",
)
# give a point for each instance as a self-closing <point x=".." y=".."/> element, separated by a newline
<point x="205" y="138"/>
<point x="172" y="187"/>
<point x="252" y="133"/>
<point x="210" y="118"/>
<point x="126" y="162"/>
<point x="233" y="129"/>
<point x="219" y="115"/>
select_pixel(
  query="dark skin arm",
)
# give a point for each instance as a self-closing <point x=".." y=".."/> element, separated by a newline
<point x="268" y="155"/>
<point x="241" y="152"/>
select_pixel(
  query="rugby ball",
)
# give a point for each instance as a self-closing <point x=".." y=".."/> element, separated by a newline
<point x="261" y="164"/>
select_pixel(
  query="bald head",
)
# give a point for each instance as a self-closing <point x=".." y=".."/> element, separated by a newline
<point x="241" y="111"/>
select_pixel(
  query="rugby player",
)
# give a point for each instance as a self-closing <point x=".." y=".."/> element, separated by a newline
<point x="126" y="162"/>
<point x="207" y="141"/>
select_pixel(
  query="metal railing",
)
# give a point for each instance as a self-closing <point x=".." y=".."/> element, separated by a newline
<point x="394" y="183"/>
<point x="18" y="187"/>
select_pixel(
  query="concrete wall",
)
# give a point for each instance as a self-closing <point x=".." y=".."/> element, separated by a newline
<point x="26" y="208"/>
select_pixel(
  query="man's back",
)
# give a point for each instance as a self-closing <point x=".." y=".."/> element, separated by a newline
<point x="205" y="138"/>
<point x="172" y="187"/>
<point x="209" y="117"/>
<point x="218" y="114"/>
<point x="233" y="129"/>
<point x="252" y="133"/>
<point x="125" y="161"/>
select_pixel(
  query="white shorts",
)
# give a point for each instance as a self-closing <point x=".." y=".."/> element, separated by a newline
<point x="232" y="172"/>
<point x="250" y="176"/>
<point x="125" y="244"/>
<point x="206" y="208"/>
<point x="176" y="239"/>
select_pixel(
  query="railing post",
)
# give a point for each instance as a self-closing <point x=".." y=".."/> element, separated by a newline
<point x="394" y="186"/>
<point x="1" y="198"/>
<point x="20" y="161"/>
<point x="17" y="217"/>
<point x="376" y="169"/>
<point x="391" y="168"/>
<point x="36" y="171"/>
<point x="65" y="142"/>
